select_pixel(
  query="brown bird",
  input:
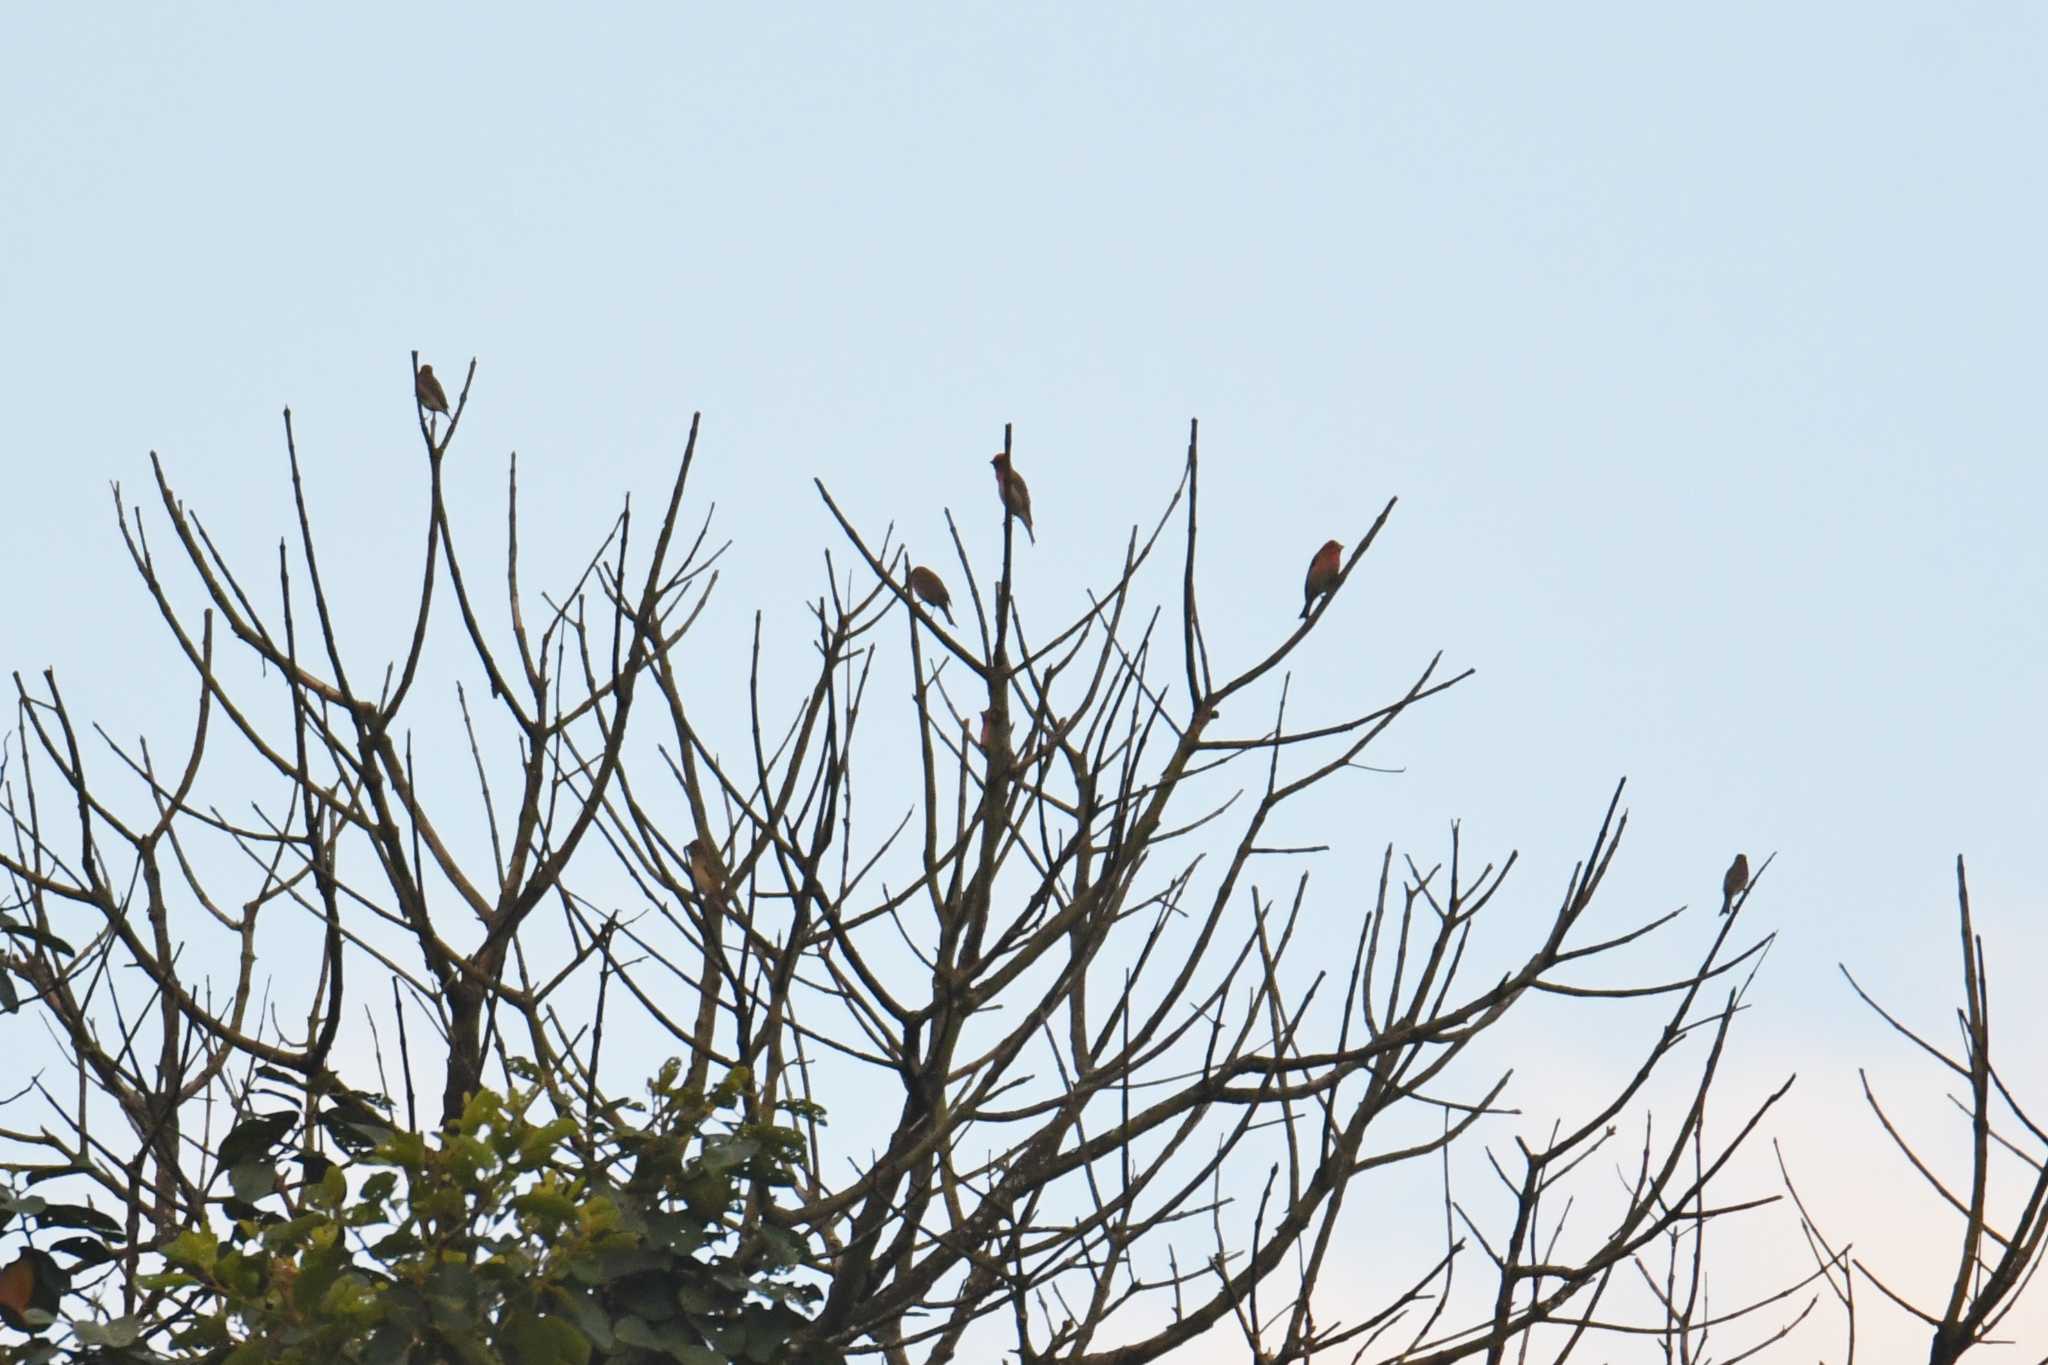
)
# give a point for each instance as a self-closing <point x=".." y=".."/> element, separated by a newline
<point x="17" y="1287"/>
<point x="1734" y="882"/>
<point x="1016" y="497"/>
<point x="31" y="1280"/>
<point x="929" y="587"/>
<point x="1322" y="575"/>
<point x="427" y="389"/>
<point x="707" y="869"/>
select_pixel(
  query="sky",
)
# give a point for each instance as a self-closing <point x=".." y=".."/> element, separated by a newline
<point x="1701" y="349"/>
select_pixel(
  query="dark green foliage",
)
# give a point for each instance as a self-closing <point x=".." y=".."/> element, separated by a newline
<point x="641" y="1233"/>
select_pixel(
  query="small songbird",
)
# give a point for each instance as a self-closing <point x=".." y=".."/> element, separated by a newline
<point x="707" y="869"/>
<point x="1734" y="882"/>
<point x="1016" y="497"/>
<point x="32" y="1280"/>
<point x="1323" y="571"/>
<point x="17" y="1287"/>
<point x="428" y="390"/>
<point x="930" y="588"/>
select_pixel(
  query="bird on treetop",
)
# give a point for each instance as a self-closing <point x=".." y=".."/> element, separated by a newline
<point x="1734" y="882"/>
<point x="1323" y="572"/>
<point x="1016" y="497"/>
<point x="428" y="390"/>
<point x="930" y="588"/>
<point x="707" y="869"/>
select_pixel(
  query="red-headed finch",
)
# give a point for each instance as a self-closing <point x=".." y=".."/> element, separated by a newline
<point x="427" y="389"/>
<point x="707" y="869"/>
<point x="1016" y="497"/>
<point x="931" y="588"/>
<point x="1322" y="575"/>
<point x="1734" y="882"/>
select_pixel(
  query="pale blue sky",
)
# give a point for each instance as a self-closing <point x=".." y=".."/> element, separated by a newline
<point x="1704" y="351"/>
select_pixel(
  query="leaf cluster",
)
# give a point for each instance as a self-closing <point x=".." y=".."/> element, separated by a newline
<point x="513" y="1236"/>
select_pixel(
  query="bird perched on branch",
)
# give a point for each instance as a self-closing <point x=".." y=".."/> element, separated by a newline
<point x="1323" y="572"/>
<point x="1016" y="497"/>
<point x="930" y="588"/>
<point x="707" y="869"/>
<point x="1734" y="882"/>
<point x="427" y="389"/>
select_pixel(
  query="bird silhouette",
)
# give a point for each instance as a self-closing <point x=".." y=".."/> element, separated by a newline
<point x="1734" y="882"/>
<point x="707" y="869"/>
<point x="932" y="589"/>
<point x="427" y="389"/>
<point x="1323" y="572"/>
<point x="1016" y="497"/>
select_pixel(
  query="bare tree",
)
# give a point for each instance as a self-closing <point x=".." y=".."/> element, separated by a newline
<point x="1996" y="1254"/>
<point x="1086" y="1068"/>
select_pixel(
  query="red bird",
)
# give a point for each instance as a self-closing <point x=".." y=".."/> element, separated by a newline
<point x="1322" y="575"/>
<point x="928" y="586"/>
<point x="427" y="389"/>
<point x="1016" y="497"/>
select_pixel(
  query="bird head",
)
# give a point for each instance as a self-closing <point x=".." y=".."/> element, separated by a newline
<point x="1001" y="461"/>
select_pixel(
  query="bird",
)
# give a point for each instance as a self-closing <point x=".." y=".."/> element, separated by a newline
<point x="1734" y="882"/>
<point x="17" y="1287"/>
<point x="707" y="869"/>
<point x="1016" y="497"/>
<point x="32" y="1280"/>
<point x="930" y="588"/>
<point x="427" y="389"/>
<point x="1323" y="571"/>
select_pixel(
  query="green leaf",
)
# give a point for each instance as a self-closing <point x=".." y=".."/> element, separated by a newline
<point x="319" y="1268"/>
<point x="253" y="1180"/>
<point x="547" y="1202"/>
<point x="729" y="1337"/>
<point x="168" y="1279"/>
<point x="695" y="1298"/>
<point x="118" y="1334"/>
<point x="196" y="1249"/>
<point x="590" y="1315"/>
<point x="538" y="1340"/>
<point x="632" y="1331"/>
<point x="40" y="937"/>
<point x="396" y="1245"/>
<point x="332" y="1191"/>
<point x="722" y="1154"/>
<point x="254" y="1137"/>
